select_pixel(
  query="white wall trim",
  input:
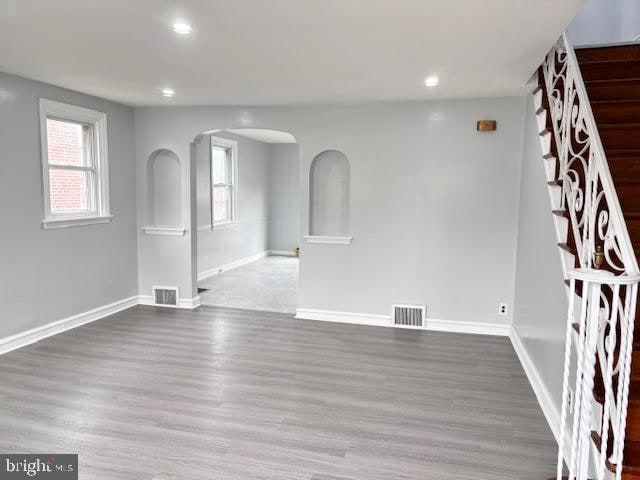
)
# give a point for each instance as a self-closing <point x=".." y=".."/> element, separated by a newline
<point x="282" y="253"/>
<point x="156" y="230"/>
<point x="183" y="303"/>
<point x="476" y="328"/>
<point x="28" y="337"/>
<point x="547" y="405"/>
<point x="344" y="317"/>
<point x="328" y="240"/>
<point x="432" y="324"/>
<point x="235" y="264"/>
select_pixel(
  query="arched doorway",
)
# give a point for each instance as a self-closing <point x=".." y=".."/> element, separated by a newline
<point x="247" y="205"/>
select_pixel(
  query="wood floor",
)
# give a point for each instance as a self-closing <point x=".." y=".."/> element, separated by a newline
<point x="231" y="394"/>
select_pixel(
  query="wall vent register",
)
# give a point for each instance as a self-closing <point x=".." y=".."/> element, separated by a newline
<point x="409" y="315"/>
<point x="165" y="296"/>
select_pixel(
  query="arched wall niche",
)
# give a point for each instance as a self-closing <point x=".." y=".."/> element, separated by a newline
<point x="329" y="180"/>
<point x="164" y="193"/>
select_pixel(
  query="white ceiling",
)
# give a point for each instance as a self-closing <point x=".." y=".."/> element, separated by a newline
<point x="264" y="135"/>
<point x="280" y="52"/>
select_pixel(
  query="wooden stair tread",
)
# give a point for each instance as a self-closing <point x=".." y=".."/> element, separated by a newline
<point x="562" y="213"/>
<point x="567" y="248"/>
<point x="555" y="183"/>
<point x="631" y="454"/>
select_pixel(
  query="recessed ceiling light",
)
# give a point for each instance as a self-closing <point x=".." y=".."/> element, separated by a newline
<point x="431" y="81"/>
<point x="182" y="28"/>
<point x="168" y="92"/>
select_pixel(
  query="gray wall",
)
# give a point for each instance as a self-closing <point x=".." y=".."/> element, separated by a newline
<point x="540" y="298"/>
<point x="433" y="202"/>
<point x="284" y="201"/>
<point x="605" y="21"/>
<point x="49" y="275"/>
<point x="249" y="234"/>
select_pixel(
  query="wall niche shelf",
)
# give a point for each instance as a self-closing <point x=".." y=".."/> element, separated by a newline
<point x="164" y="194"/>
<point x="328" y="240"/>
<point x="329" y="179"/>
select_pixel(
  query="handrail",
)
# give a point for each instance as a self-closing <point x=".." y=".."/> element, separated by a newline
<point x="602" y="337"/>
<point x="588" y="192"/>
<point x="601" y="315"/>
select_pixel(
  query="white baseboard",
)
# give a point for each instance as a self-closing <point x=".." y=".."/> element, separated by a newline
<point x="344" y="317"/>
<point x="35" y="334"/>
<point x="186" y="303"/>
<point x="238" y="263"/>
<point x="476" y="328"/>
<point x="282" y="253"/>
<point x="547" y="405"/>
<point x="385" y="321"/>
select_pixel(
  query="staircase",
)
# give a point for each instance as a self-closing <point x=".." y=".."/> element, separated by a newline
<point x="588" y="112"/>
<point x="612" y="79"/>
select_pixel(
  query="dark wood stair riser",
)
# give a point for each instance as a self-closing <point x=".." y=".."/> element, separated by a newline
<point x="616" y="111"/>
<point x="623" y="164"/>
<point x="614" y="70"/>
<point x="620" y="137"/>
<point x="614" y="90"/>
<point x="633" y="226"/>
<point x="608" y="54"/>
<point x="633" y="422"/>
<point x="629" y="195"/>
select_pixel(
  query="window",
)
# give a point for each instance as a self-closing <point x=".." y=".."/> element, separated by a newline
<point x="223" y="180"/>
<point x="74" y="165"/>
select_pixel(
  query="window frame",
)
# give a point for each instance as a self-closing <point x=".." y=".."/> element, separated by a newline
<point x="99" y="168"/>
<point x="232" y="147"/>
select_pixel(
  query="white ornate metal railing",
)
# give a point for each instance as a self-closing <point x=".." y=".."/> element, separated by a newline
<point x="588" y="193"/>
<point x="600" y="331"/>
<point x="603" y="291"/>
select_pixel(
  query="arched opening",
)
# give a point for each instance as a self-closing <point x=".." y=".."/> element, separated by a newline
<point x="164" y="190"/>
<point x="248" y="218"/>
<point x="329" y="179"/>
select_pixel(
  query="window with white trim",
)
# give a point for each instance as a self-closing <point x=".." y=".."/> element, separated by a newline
<point x="223" y="181"/>
<point x="74" y="165"/>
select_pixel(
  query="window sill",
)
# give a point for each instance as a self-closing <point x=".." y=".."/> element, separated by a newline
<point x="53" y="223"/>
<point x="205" y="228"/>
<point x="328" y="240"/>
<point x="172" y="231"/>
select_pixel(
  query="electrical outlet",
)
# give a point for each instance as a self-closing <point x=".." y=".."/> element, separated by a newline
<point x="503" y="309"/>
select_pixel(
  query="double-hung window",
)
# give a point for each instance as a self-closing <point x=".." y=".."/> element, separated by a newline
<point x="223" y="181"/>
<point x="74" y="165"/>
